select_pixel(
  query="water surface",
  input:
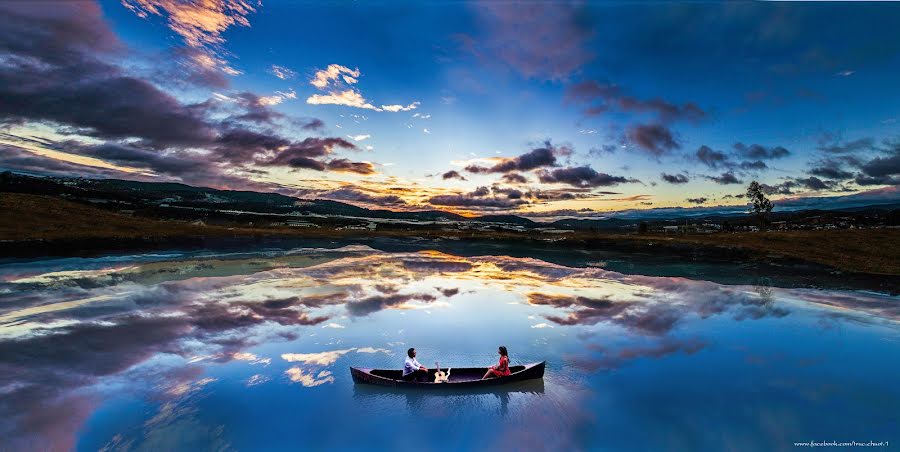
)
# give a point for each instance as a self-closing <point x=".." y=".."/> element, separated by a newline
<point x="250" y="350"/>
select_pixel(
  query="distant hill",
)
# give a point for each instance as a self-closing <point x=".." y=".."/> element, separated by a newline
<point x="125" y="193"/>
<point x="175" y="194"/>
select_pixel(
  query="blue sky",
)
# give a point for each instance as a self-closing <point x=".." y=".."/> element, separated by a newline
<point x="537" y="107"/>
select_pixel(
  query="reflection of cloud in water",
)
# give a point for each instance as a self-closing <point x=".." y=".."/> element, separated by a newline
<point x="298" y="375"/>
<point x="251" y="358"/>
<point x="257" y="379"/>
<point x="66" y="331"/>
<point x="612" y="358"/>
<point x="327" y="358"/>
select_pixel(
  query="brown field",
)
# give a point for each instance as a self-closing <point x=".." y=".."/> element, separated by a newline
<point x="875" y="251"/>
<point x="26" y="218"/>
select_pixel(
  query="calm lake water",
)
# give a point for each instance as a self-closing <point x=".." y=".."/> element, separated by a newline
<point x="233" y="350"/>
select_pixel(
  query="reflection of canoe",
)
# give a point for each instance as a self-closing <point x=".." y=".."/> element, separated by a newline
<point x="469" y="377"/>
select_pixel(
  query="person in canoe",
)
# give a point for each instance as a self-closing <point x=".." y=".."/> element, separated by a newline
<point x="502" y="368"/>
<point x="412" y="370"/>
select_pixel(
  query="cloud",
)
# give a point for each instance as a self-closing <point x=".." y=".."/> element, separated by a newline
<point x="200" y="24"/>
<point x="277" y="98"/>
<point x="582" y="176"/>
<point x="882" y="166"/>
<point x="725" y="179"/>
<point x="312" y="124"/>
<point x="539" y="40"/>
<point x="697" y="200"/>
<point x="814" y="183"/>
<point x="357" y="196"/>
<point x="655" y="139"/>
<point x="758" y="151"/>
<point x="881" y="170"/>
<point x="347" y="166"/>
<point x="323" y="78"/>
<point x="396" y="108"/>
<point x="347" y="98"/>
<point x="453" y="174"/>
<point x="710" y="157"/>
<point x="359" y="137"/>
<point x="832" y="145"/>
<point x="306" y="154"/>
<point x="753" y="166"/>
<point x="336" y="77"/>
<point x="474" y="200"/>
<point x="65" y="81"/>
<point x="514" y="178"/>
<point x="717" y="159"/>
<point x="604" y="97"/>
<point x="830" y="170"/>
<point x="536" y="158"/>
<point x="282" y="72"/>
<point x="674" y="178"/>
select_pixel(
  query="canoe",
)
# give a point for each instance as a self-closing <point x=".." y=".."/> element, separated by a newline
<point x="463" y="377"/>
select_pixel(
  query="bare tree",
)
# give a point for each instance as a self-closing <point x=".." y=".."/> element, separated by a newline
<point x="760" y="205"/>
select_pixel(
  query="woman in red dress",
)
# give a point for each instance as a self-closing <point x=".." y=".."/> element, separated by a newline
<point x="502" y="368"/>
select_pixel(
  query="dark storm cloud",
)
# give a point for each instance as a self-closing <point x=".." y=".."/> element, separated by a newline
<point x="312" y="124"/>
<point x="453" y="174"/>
<point x="514" y="178"/>
<point x="882" y="166"/>
<point x="880" y="180"/>
<point x="725" y="179"/>
<point x="758" y="151"/>
<point x="57" y="71"/>
<point x="176" y="163"/>
<point x="753" y="166"/>
<point x="717" y="159"/>
<point x="565" y="193"/>
<point x="255" y="110"/>
<point x="559" y="213"/>
<point x="674" y="178"/>
<point x="239" y="145"/>
<point x="347" y="166"/>
<point x="710" y="157"/>
<point x="814" y="183"/>
<point x="784" y="188"/>
<point x="536" y="158"/>
<point x="834" y="146"/>
<point x="14" y="158"/>
<point x="304" y="154"/>
<point x="831" y="172"/>
<point x="582" y="176"/>
<point x="602" y="97"/>
<point x="52" y="72"/>
<point x="697" y="200"/>
<point x="351" y="195"/>
<point x="470" y="200"/>
<point x="539" y="40"/>
<point x="655" y="139"/>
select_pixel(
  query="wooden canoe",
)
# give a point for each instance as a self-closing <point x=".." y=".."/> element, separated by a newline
<point x="463" y="377"/>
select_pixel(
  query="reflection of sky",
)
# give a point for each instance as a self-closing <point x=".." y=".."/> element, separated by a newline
<point x="193" y="351"/>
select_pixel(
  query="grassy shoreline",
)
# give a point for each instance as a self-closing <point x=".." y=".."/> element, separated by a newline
<point x="43" y="222"/>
